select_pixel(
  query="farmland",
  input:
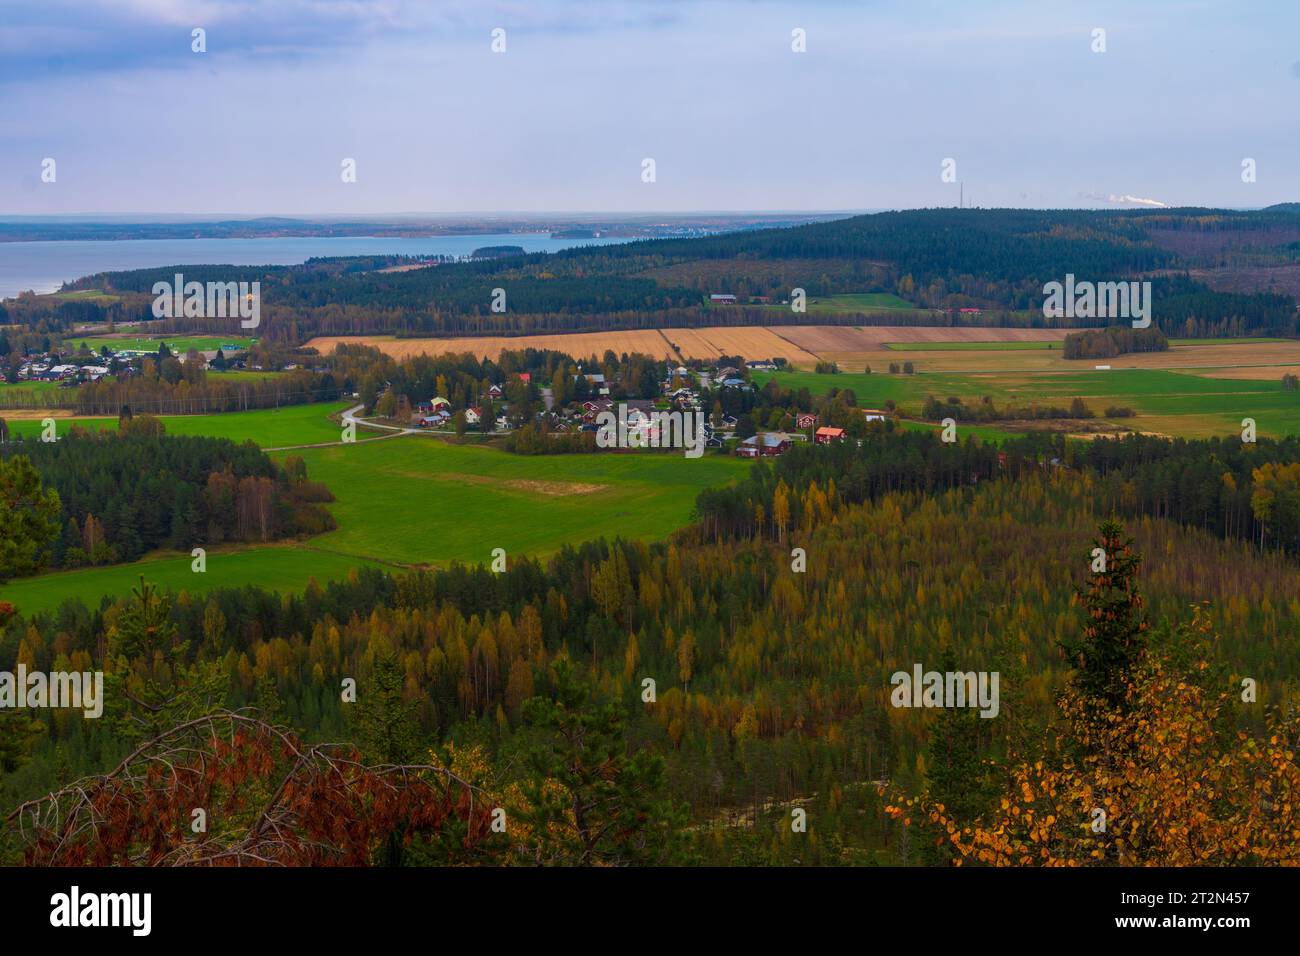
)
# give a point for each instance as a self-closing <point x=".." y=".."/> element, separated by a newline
<point x="418" y="501"/>
<point x="864" y="303"/>
<point x="855" y="348"/>
<point x="1179" y="403"/>
<point x="269" y="428"/>
<point x="422" y="501"/>
<point x="801" y="345"/>
<point x="178" y="343"/>
<point x="281" y="568"/>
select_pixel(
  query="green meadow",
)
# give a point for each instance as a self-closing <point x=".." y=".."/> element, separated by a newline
<point x="1169" y="402"/>
<point x="279" y="568"/>
<point x="179" y="343"/>
<point x="856" y="302"/>
<point x="1045" y="346"/>
<point x="267" y="427"/>
<point x="417" y="500"/>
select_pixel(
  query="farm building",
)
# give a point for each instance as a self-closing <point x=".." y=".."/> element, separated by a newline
<point x="805" y="420"/>
<point x="723" y="298"/>
<point x="764" y="445"/>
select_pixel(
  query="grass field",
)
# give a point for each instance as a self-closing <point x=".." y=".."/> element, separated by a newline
<point x="85" y="295"/>
<point x="419" y="501"/>
<point x="422" y="501"/>
<point x="33" y="386"/>
<point x="850" y="303"/>
<point x="269" y="428"/>
<point x="178" y="343"/>
<point x="280" y="568"/>
<point x="1168" y="402"/>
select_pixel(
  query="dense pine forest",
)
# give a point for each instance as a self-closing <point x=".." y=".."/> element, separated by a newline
<point x="114" y="496"/>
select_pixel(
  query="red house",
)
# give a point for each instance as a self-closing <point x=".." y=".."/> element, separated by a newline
<point x="824" y="436"/>
<point x="766" y="445"/>
<point x="805" y="420"/>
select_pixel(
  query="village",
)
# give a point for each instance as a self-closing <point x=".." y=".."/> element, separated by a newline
<point x="72" y="368"/>
<point x="704" y="391"/>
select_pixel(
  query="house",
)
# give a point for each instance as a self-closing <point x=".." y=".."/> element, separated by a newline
<point x="525" y="377"/>
<point x="430" y="421"/>
<point x="729" y="422"/>
<point x="805" y="420"/>
<point x="971" y="311"/>
<point x="824" y="435"/>
<point x="495" y="391"/>
<point x="503" y="423"/>
<point x="473" y="415"/>
<point x="735" y="383"/>
<point x="728" y="372"/>
<point x="764" y="445"/>
<point x="763" y="365"/>
<point x="723" y="298"/>
<point x="94" y="372"/>
<point x="433" y="405"/>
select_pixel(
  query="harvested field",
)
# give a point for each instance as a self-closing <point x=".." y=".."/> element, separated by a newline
<point x="578" y="344"/>
<point x="706" y="343"/>
<point x="819" y="339"/>
<point x="853" y="348"/>
<point x="752" y="343"/>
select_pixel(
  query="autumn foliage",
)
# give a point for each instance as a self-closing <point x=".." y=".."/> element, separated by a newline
<point x="1158" y="779"/>
<point x="267" y="799"/>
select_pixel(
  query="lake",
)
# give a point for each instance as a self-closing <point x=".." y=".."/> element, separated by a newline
<point x="45" y="266"/>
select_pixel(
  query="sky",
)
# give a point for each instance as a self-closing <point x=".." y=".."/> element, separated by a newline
<point x="1015" y="93"/>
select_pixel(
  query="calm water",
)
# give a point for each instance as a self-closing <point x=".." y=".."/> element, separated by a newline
<point x="44" y="266"/>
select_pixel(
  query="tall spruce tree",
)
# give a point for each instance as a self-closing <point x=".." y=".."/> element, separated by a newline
<point x="1115" y="627"/>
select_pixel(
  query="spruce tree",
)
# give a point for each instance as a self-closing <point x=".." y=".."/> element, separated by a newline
<point x="1114" y="631"/>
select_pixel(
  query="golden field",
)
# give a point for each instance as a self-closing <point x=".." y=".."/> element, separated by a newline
<point x="854" y="348"/>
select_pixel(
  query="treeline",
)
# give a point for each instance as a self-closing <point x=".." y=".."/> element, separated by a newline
<point x="986" y="411"/>
<point x="1112" y="341"/>
<point x="1234" y="489"/>
<point x="129" y="492"/>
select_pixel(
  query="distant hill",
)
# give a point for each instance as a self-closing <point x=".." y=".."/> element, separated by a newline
<point x="1213" y="272"/>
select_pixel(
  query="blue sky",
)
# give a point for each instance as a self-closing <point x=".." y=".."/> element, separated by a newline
<point x="438" y="123"/>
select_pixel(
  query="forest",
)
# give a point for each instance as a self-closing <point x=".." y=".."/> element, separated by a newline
<point x="768" y="670"/>
<point x="119" y="495"/>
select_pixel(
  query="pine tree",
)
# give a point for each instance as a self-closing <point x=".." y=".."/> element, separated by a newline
<point x="1114" y="632"/>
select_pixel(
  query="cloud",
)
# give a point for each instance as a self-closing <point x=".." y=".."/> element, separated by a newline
<point x="1125" y="200"/>
<point x="1136" y="201"/>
